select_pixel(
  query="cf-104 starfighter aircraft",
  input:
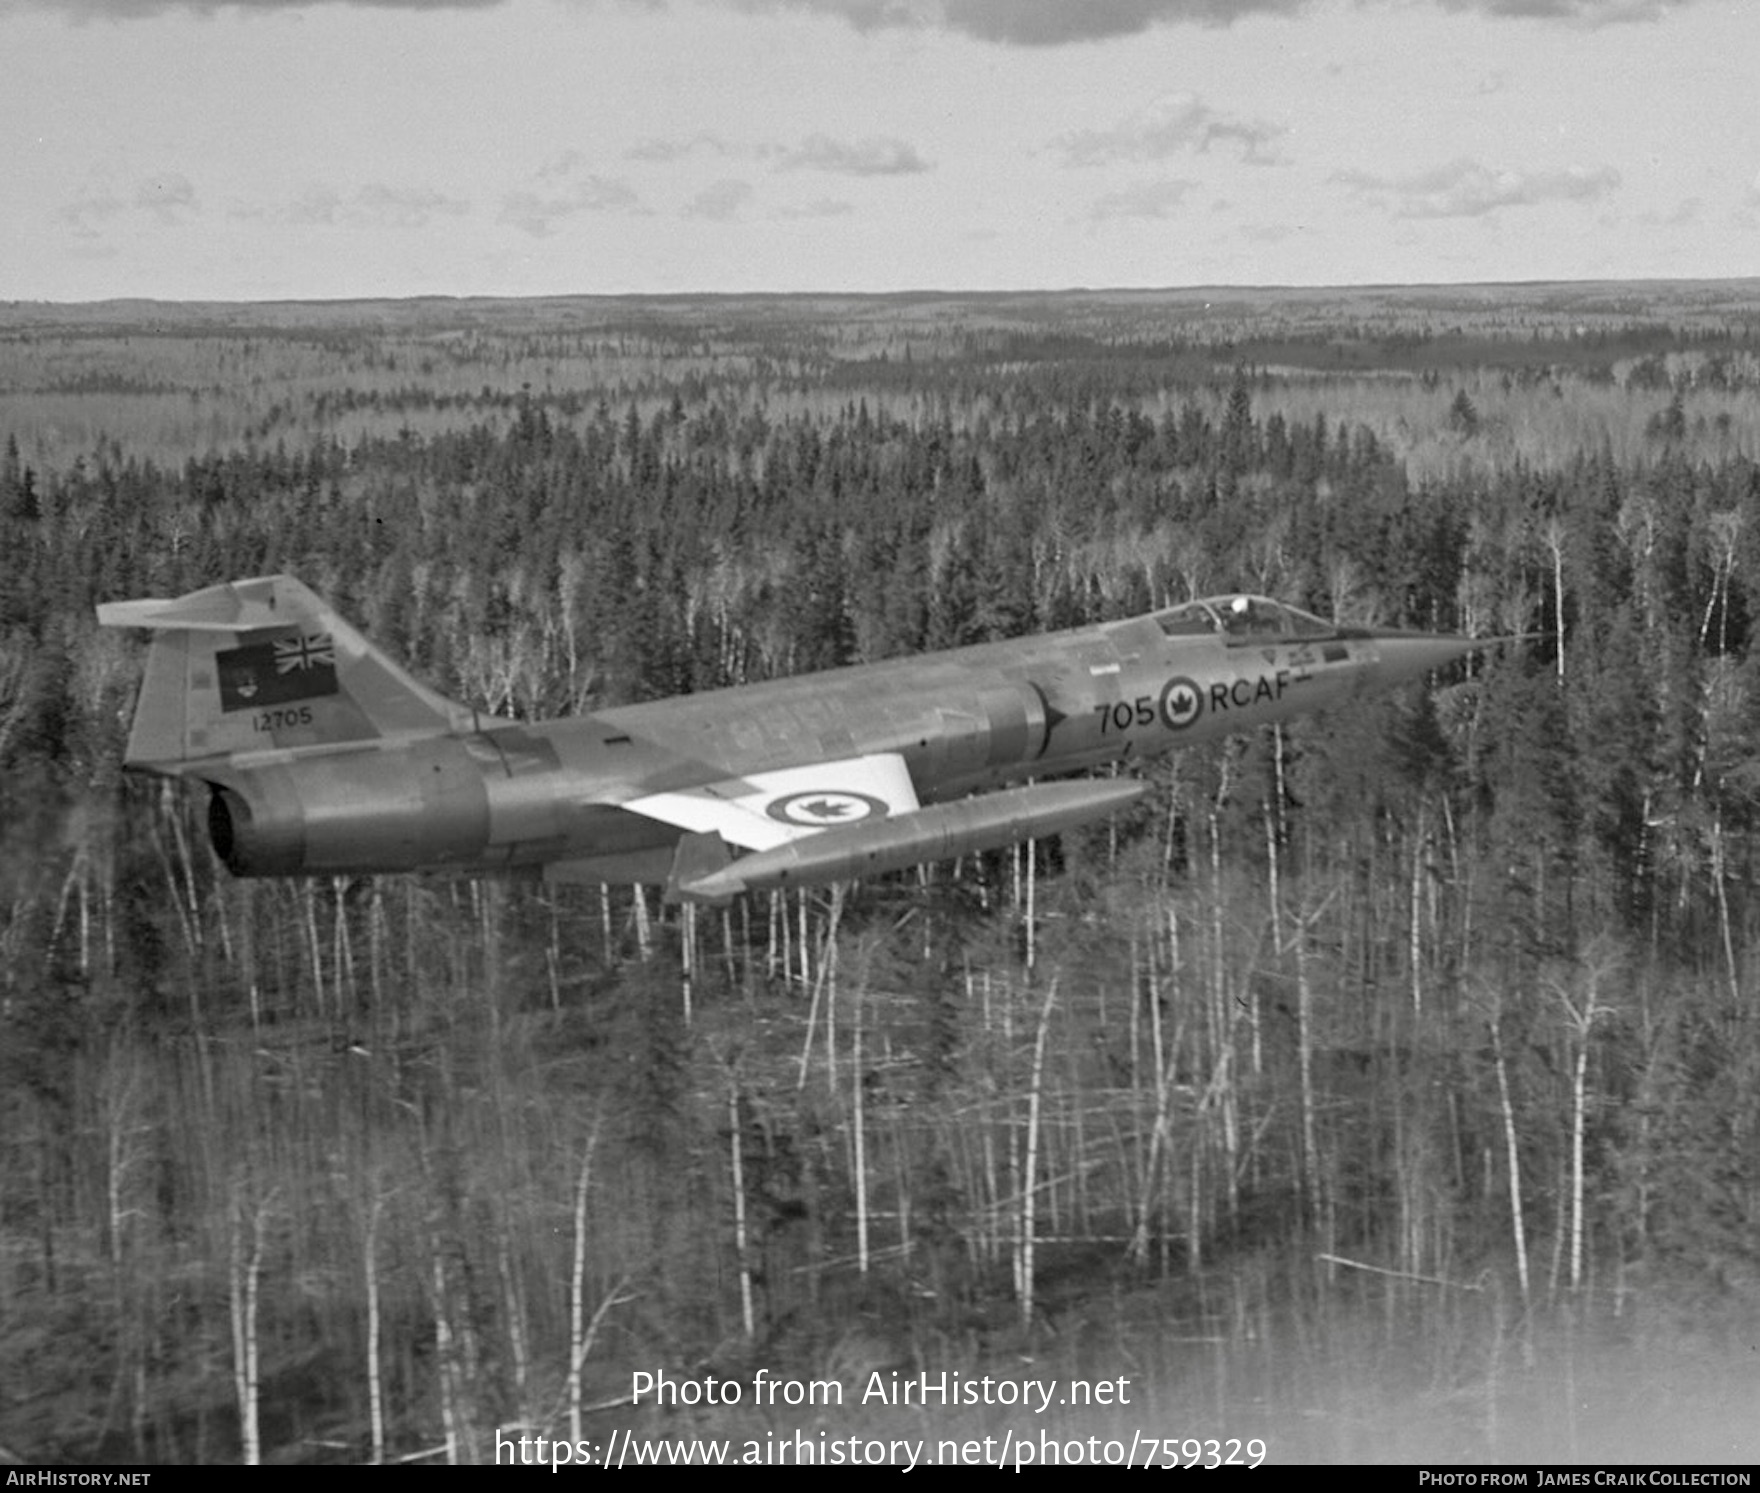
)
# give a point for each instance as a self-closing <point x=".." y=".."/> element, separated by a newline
<point x="325" y="757"/>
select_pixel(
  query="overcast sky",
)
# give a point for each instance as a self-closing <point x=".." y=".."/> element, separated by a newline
<point x="268" y="149"/>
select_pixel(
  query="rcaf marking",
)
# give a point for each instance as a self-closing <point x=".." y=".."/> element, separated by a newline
<point x="1238" y="694"/>
<point x="821" y="808"/>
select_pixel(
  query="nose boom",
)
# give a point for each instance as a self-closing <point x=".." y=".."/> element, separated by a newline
<point x="1401" y="656"/>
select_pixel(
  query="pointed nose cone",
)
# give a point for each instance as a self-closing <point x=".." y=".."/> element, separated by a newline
<point x="1411" y="655"/>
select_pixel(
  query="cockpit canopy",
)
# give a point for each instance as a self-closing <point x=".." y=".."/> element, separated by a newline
<point x="1240" y="617"/>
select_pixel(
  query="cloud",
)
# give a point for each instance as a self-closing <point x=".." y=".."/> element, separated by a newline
<point x="167" y="199"/>
<point x="1584" y="12"/>
<point x="91" y="210"/>
<point x="1684" y="214"/>
<point x="1467" y="189"/>
<point x="877" y="155"/>
<point x="1053" y="23"/>
<point x="1019" y="23"/>
<point x="1170" y="126"/>
<point x="664" y="152"/>
<point x="1152" y="199"/>
<point x="559" y="197"/>
<point x="372" y="206"/>
<point x="131" y="10"/>
<point x="719" y="202"/>
<point x="564" y="167"/>
<point x="874" y="155"/>
<point x="1031" y="23"/>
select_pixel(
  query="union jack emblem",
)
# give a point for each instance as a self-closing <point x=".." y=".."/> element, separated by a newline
<point x="303" y="653"/>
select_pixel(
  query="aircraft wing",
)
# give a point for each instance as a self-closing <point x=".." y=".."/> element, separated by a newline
<point x="762" y="810"/>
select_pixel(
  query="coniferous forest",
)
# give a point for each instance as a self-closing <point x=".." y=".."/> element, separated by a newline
<point x="1384" y="1087"/>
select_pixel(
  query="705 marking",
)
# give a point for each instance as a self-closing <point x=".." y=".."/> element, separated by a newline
<point x="1121" y="715"/>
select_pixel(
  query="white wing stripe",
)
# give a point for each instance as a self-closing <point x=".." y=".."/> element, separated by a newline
<point x="762" y="810"/>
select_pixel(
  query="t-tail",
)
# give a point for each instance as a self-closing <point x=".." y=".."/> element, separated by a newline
<point x="261" y="665"/>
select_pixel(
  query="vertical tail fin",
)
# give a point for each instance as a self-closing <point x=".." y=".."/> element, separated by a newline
<point x="264" y="663"/>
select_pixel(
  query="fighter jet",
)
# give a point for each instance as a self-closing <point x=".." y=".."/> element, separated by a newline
<point x="323" y="756"/>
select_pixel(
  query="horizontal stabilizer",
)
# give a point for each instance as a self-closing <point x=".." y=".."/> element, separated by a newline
<point x="237" y="606"/>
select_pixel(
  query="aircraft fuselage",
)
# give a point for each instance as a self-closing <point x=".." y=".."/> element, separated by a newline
<point x="325" y="757"/>
<point x="510" y="794"/>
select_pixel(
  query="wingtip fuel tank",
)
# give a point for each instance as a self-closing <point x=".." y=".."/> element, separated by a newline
<point x="987" y="821"/>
